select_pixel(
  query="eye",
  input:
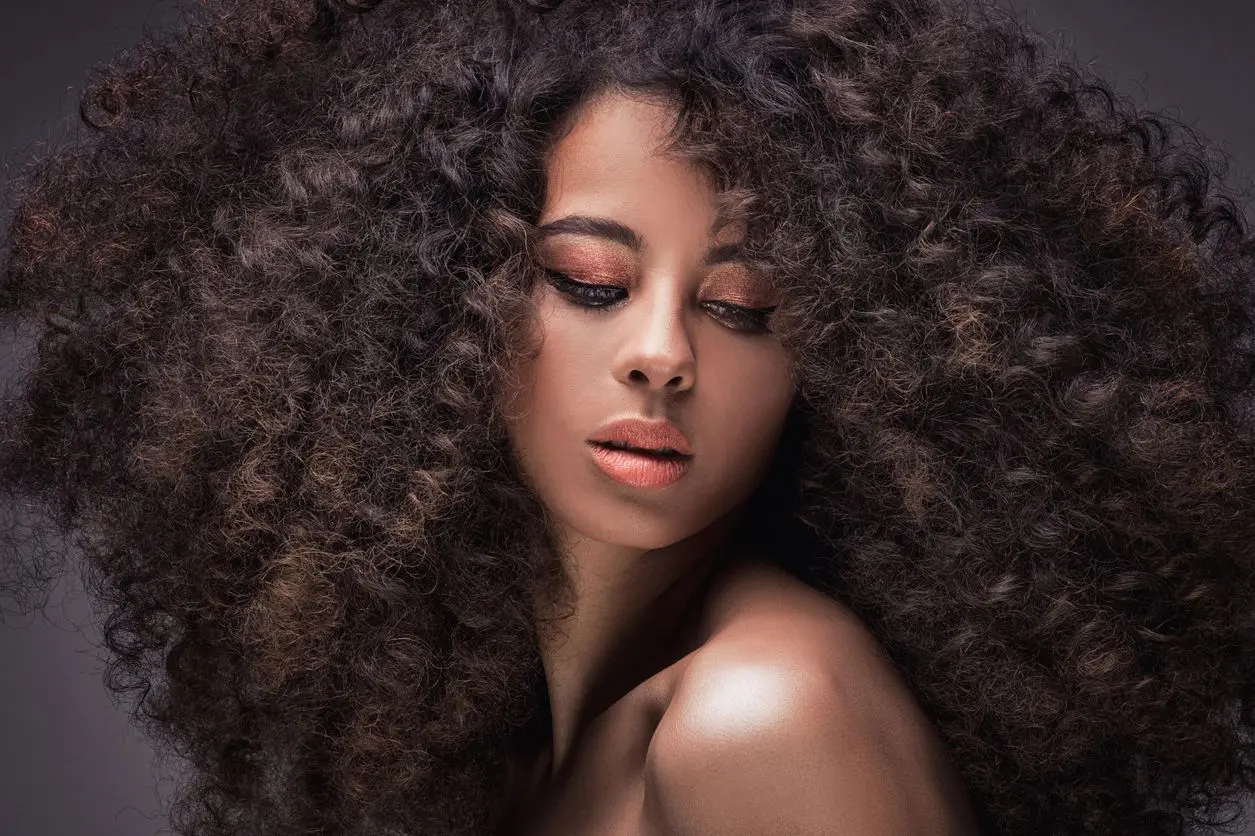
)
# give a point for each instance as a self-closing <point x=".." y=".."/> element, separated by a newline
<point x="748" y="320"/>
<point x="585" y="295"/>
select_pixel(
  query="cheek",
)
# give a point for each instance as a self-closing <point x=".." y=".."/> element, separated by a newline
<point x="569" y="356"/>
<point x="547" y="388"/>
<point x="761" y="378"/>
<point x="754" y="403"/>
<point x="526" y="359"/>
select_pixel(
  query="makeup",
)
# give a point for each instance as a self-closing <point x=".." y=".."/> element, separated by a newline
<point x="639" y="470"/>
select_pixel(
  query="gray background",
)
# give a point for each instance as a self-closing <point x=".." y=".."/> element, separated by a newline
<point x="72" y="765"/>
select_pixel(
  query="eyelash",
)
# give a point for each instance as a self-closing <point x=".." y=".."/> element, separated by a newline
<point x="589" y="296"/>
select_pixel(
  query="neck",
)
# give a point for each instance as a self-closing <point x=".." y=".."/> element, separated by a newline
<point x="633" y="618"/>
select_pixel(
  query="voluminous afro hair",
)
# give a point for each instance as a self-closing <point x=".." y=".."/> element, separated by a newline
<point x="284" y="264"/>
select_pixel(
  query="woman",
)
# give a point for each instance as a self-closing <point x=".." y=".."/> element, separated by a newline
<point x="940" y="362"/>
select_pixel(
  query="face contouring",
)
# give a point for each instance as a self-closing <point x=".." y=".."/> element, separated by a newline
<point x="670" y="345"/>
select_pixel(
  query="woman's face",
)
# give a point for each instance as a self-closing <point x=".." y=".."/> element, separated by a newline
<point x="667" y="349"/>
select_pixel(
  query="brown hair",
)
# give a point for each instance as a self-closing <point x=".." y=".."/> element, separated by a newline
<point x="281" y="267"/>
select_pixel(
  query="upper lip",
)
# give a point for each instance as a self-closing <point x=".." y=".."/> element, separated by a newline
<point x="647" y="435"/>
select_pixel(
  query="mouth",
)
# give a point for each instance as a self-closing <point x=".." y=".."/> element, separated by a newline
<point x="664" y="454"/>
<point x="636" y="467"/>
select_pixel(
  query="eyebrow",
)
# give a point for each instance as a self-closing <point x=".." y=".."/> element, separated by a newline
<point x="622" y="234"/>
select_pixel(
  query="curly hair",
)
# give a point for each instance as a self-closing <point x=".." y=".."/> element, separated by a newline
<point x="282" y="267"/>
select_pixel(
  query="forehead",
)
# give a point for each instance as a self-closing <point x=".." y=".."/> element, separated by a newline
<point x="614" y="162"/>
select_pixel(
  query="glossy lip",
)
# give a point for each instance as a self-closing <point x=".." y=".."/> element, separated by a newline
<point x="638" y="470"/>
<point x="647" y="435"/>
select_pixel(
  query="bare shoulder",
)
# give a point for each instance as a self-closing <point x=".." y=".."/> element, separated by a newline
<point x="760" y="615"/>
<point x="793" y="706"/>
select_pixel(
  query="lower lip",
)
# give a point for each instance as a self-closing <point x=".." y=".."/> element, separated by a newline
<point x="638" y="470"/>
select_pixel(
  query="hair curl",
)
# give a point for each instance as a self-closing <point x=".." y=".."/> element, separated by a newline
<point x="281" y="268"/>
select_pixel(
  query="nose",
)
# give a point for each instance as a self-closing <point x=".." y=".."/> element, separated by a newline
<point x="658" y="351"/>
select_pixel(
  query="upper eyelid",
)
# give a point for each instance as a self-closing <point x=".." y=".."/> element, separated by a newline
<point x="725" y="256"/>
<point x="544" y="264"/>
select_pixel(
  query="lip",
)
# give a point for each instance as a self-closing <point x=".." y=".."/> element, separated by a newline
<point x="648" y="435"/>
<point x="638" y="470"/>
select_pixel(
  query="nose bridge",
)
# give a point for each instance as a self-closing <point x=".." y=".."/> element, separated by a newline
<point x="658" y="341"/>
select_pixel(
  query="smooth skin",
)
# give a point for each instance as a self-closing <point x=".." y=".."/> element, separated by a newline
<point x="763" y="731"/>
<point x="665" y="350"/>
